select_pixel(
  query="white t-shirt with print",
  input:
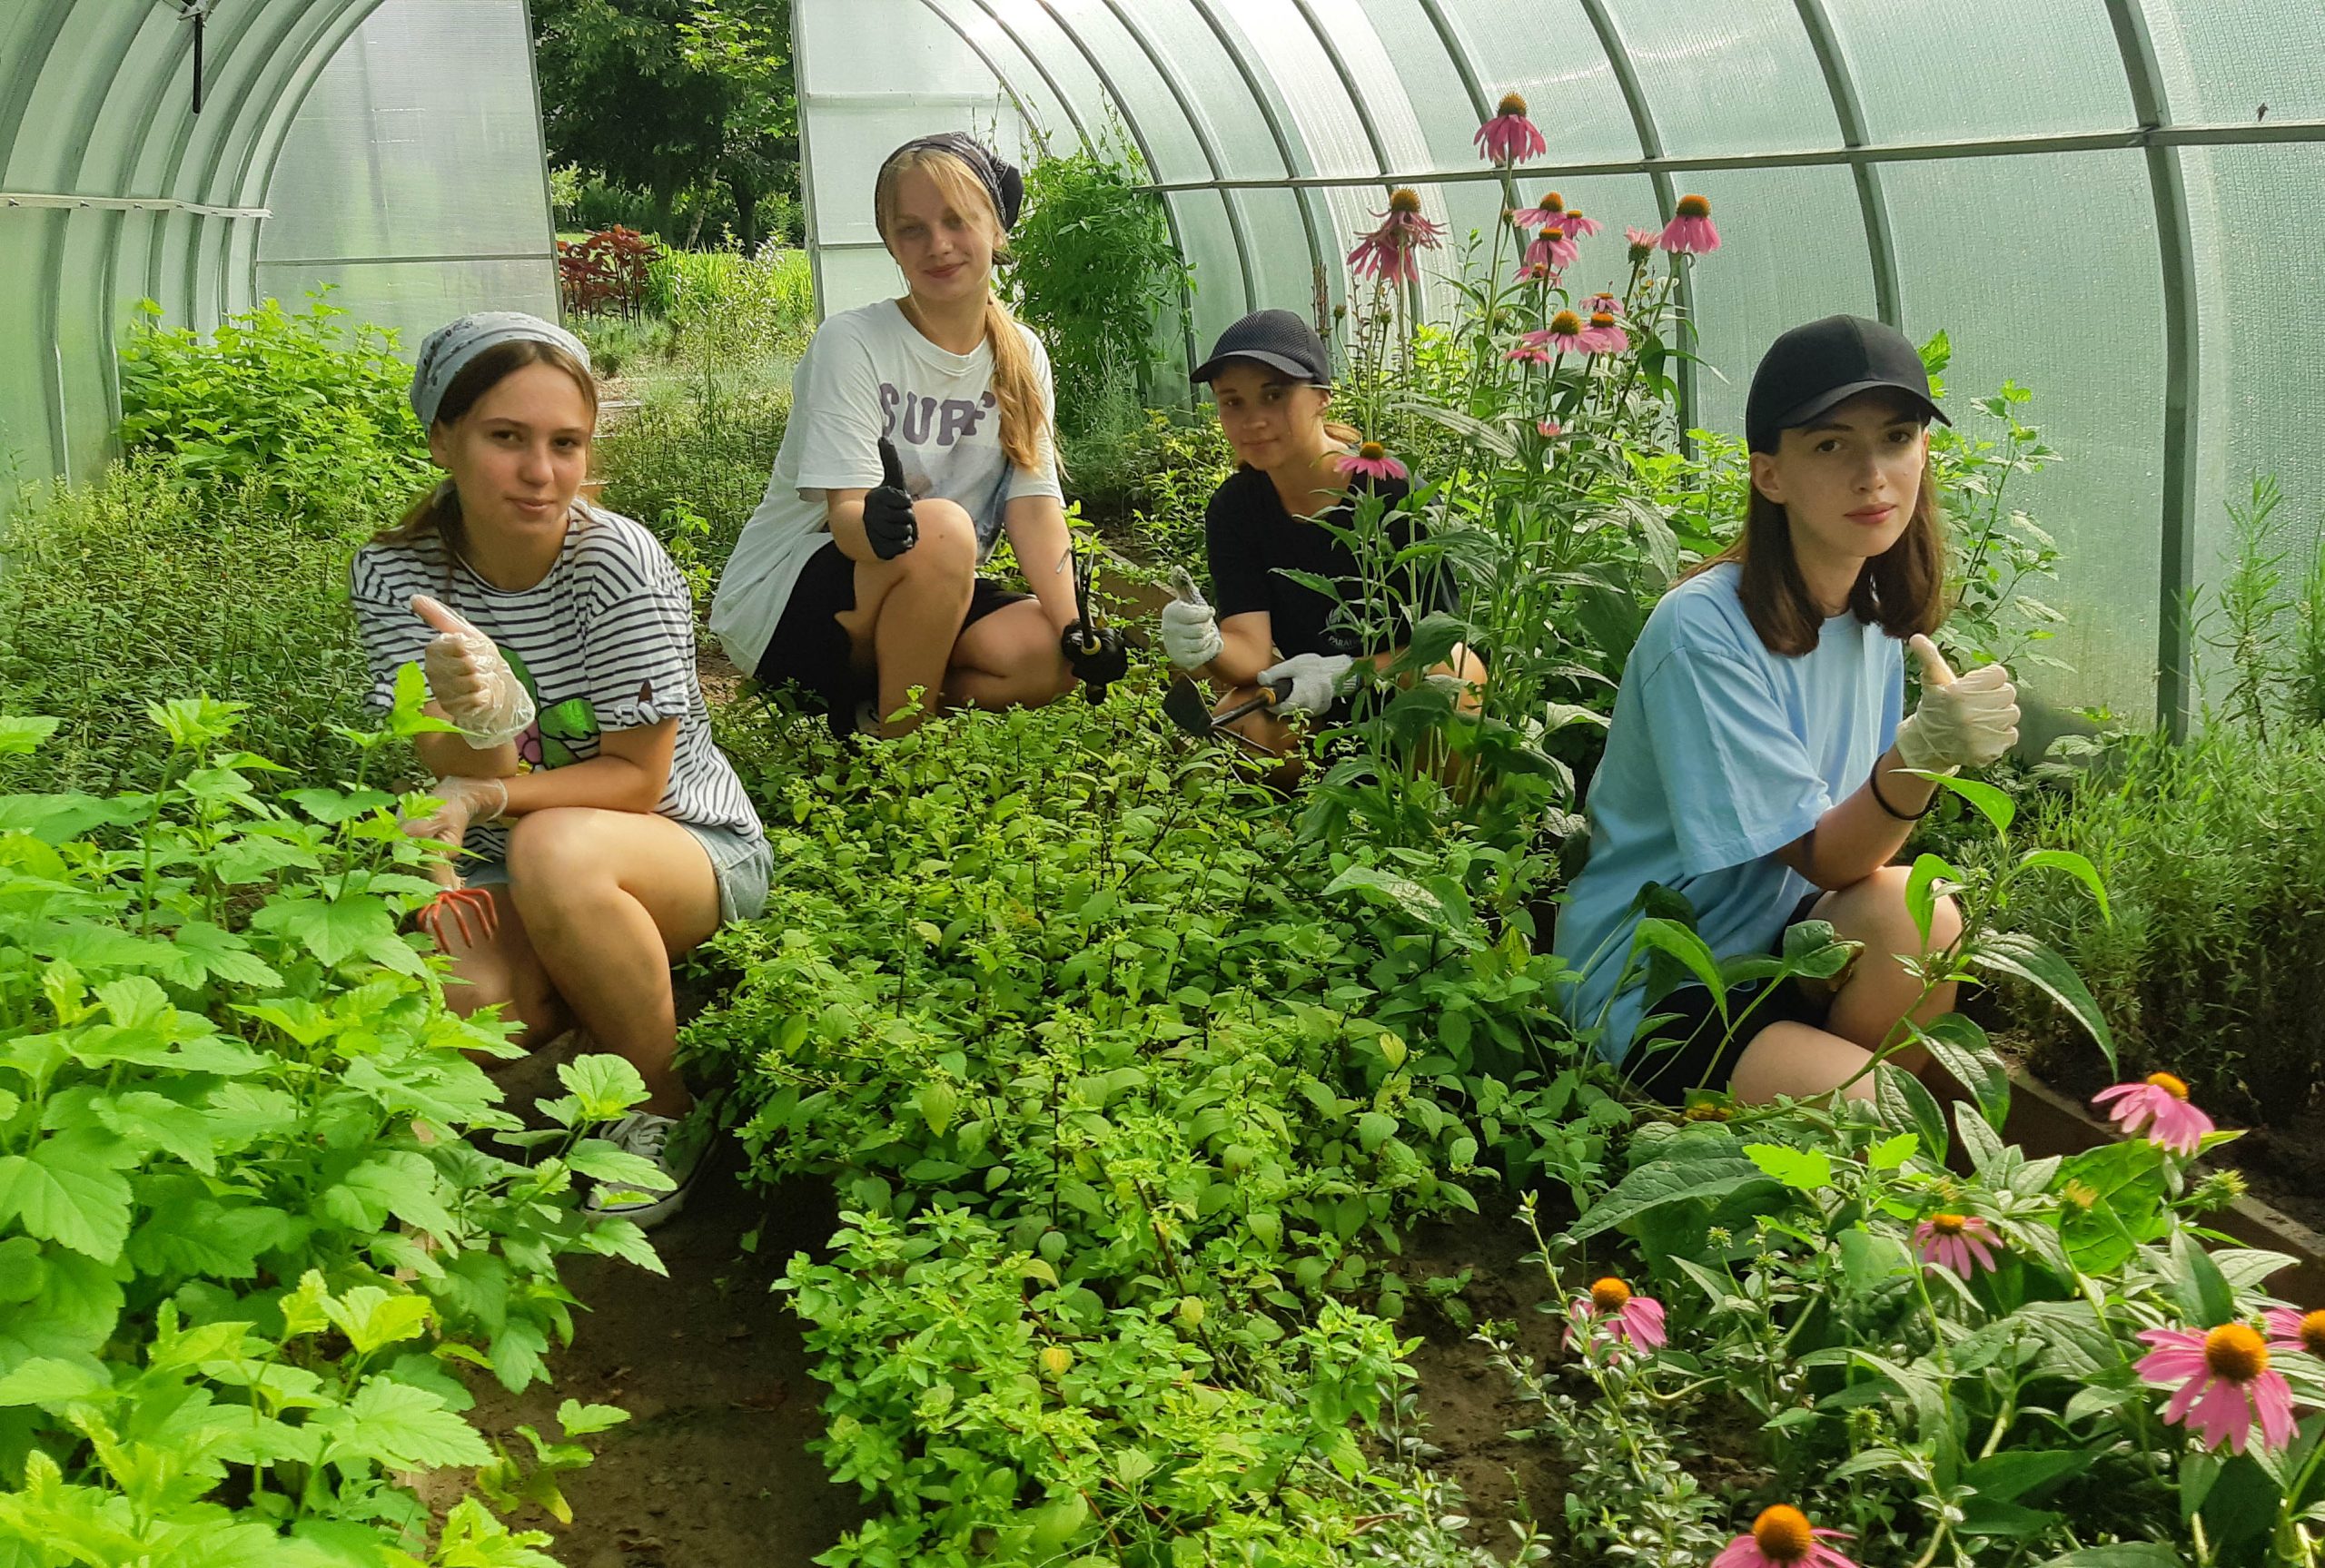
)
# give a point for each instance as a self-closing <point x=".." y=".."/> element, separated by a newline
<point x="869" y="373"/>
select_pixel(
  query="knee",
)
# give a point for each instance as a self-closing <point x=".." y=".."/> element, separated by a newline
<point x="551" y="862"/>
<point x="947" y="546"/>
<point x="1886" y="888"/>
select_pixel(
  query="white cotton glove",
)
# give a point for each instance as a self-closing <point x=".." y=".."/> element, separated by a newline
<point x="465" y="801"/>
<point x="1966" y="721"/>
<point x="470" y="680"/>
<point x="1315" y="681"/>
<point x="1190" y="627"/>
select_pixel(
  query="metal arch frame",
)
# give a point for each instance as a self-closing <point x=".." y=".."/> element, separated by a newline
<point x="1458" y="56"/>
<point x="1335" y="277"/>
<point x="34" y="65"/>
<point x="1008" y="85"/>
<point x="1873" y="202"/>
<point x="2182" y="369"/>
<point x="1201" y="133"/>
<point x="49" y="310"/>
<point x="239" y="145"/>
<point x="1650" y="146"/>
<point x="1303" y="195"/>
<point x="1130" y="121"/>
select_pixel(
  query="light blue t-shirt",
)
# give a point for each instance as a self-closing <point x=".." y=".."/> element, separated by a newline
<point x="1720" y="754"/>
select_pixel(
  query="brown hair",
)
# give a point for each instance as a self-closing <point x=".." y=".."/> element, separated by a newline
<point x="1015" y="387"/>
<point x="437" y="511"/>
<point x="1901" y="590"/>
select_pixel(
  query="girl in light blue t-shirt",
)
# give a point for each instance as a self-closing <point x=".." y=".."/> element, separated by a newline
<point x="1754" y="762"/>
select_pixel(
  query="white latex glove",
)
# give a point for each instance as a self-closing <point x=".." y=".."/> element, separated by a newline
<point x="1190" y="627"/>
<point x="465" y="801"/>
<point x="1315" y="681"/>
<point x="470" y="680"/>
<point x="1966" y="721"/>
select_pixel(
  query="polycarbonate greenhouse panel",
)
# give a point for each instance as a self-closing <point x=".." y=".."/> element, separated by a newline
<point x="420" y="150"/>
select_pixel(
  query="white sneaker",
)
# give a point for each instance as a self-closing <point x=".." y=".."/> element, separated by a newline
<point x="647" y="1135"/>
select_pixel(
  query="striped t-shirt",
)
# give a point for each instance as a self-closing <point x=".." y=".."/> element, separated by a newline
<point x="603" y="642"/>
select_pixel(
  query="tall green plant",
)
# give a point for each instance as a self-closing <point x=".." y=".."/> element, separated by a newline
<point x="300" y="402"/>
<point x="1095" y="269"/>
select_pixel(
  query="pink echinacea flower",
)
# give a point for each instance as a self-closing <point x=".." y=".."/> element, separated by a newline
<point x="1387" y="252"/>
<point x="2225" y="1384"/>
<point x="1509" y="137"/>
<point x="1552" y="248"/>
<point x="1782" y="1537"/>
<point x="1373" y="460"/>
<point x="1955" y="1241"/>
<point x="2159" y="1106"/>
<point x="1690" y="230"/>
<point x="1611" y="1312"/>
<point x="2289" y="1328"/>
<point x="1542" y="214"/>
<point x="1605" y="335"/>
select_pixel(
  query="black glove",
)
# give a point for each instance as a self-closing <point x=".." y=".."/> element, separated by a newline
<point x="888" y="526"/>
<point x="1098" y="665"/>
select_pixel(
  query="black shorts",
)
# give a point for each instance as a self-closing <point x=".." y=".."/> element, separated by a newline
<point x="810" y="649"/>
<point x="1692" y="1051"/>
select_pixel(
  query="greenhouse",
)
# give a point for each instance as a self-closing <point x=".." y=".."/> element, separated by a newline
<point x="1125" y="784"/>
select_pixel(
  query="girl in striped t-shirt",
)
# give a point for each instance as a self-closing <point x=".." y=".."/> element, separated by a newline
<point x="608" y="832"/>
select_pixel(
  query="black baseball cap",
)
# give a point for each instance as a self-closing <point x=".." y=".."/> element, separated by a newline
<point x="1810" y="369"/>
<point x="1276" y="339"/>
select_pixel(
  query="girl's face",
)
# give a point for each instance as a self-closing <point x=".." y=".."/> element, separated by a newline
<point x="1268" y="419"/>
<point x="520" y="455"/>
<point x="945" y="256"/>
<point x="1848" y="482"/>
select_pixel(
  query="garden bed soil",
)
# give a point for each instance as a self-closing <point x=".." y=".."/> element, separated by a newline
<point x="712" y="1470"/>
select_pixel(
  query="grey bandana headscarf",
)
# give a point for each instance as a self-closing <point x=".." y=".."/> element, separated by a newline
<point x="449" y="348"/>
<point x="1000" y="178"/>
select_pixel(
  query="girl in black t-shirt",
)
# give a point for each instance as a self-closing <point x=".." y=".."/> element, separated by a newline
<point x="1271" y="378"/>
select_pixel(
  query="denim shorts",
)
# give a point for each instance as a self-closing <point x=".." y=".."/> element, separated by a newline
<point x="741" y="863"/>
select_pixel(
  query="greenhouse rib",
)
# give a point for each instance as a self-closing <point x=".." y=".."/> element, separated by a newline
<point x="2208" y="136"/>
<point x="1872" y="202"/>
<point x="52" y="199"/>
<point x="2183" y="369"/>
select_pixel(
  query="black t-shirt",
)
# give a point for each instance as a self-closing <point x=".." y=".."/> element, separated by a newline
<point x="1250" y="535"/>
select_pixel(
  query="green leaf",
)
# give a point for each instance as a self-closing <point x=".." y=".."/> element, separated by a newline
<point x="1670" y="937"/>
<point x="204" y="951"/>
<point x="603" y="1162"/>
<point x="2203" y="1291"/>
<point x="1661" y="1183"/>
<point x="1922" y="890"/>
<point x="371" y="1317"/>
<point x="1403" y="894"/>
<point x="67" y="1190"/>
<point x="78" y="1308"/>
<point x="399" y="1426"/>
<point x="2010" y="1474"/>
<point x="1802" y="1169"/>
<point x="400" y="1182"/>
<point x="1891" y="1153"/>
<point x="46" y="1380"/>
<point x="579" y="1420"/>
<point x="1978" y="1139"/>
<point x="335" y="930"/>
<point x="606" y="1085"/>
<point x="23" y="736"/>
<point x="1990" y="803"/>
<point x="2020" y="955"/>
<point x="1907" y="1105"/>
<point x="1962" y="1048"/>
<point x="2075" y="866"/>
<point x="2126" y="1554"/>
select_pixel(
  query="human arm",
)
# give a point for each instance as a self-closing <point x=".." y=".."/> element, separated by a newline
<point x="1968" y="721"/>
<point x="1036" y="525"/>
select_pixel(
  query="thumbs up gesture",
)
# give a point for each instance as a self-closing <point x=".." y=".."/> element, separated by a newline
<point x="888" y="525"/>
<point x="470" y="680"/>
<point x="1963" y="721"/>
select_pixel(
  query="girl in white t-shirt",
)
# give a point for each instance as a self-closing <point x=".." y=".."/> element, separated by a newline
<point x="1756" y="760"/>
<point x="921" y="429"/>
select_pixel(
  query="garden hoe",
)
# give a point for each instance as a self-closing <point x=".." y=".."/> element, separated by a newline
<point x="1186" y="706"/>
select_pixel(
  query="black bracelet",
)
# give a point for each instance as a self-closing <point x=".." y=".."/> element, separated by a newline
<point x="1873" y="782"/>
